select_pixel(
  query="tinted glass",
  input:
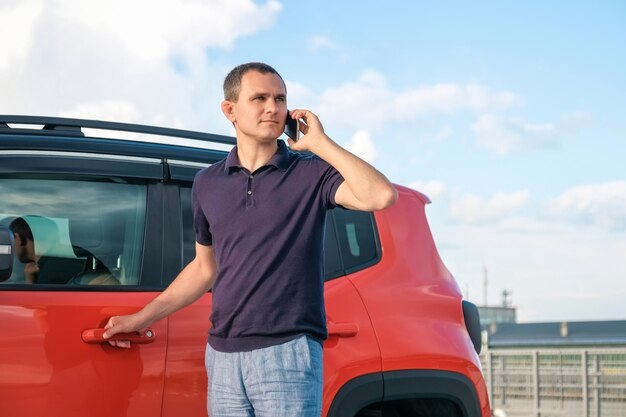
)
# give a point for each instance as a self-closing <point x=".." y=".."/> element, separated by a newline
<point x="189" y="235"/>
<point x="357" y="238"/>
<point x="332" y="258"/>
<point x="74" y="232"/>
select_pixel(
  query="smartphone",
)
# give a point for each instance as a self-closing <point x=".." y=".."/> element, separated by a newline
<point x="292" y="128"/>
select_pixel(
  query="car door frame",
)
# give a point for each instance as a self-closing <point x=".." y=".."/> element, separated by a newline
<point x="145" y="362"/>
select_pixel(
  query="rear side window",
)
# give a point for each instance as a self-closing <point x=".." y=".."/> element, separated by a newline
<point x="351" y="242"/>
<point x="74" y="232"/>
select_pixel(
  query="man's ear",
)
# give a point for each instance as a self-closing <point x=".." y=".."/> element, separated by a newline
<point x="229" y="110"/>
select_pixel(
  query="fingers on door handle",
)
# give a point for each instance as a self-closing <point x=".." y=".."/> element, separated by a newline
<point x="95" y="336"/>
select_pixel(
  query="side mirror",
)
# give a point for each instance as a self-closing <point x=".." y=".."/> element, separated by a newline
<point x="6" y="253"/>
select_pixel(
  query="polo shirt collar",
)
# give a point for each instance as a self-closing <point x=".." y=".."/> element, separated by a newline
<point x="280" y="159"/>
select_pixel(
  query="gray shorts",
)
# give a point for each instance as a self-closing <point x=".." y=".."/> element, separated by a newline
<point x="278" y="381"/>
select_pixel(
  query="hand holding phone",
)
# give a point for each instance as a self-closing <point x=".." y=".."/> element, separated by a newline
<point x="292" y="128"/>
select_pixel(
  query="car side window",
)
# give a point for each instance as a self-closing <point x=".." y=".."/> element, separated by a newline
<point x="74" y="231"/>
<point x="189" y="234"/>
<point x="351" y="242"/>
<point x="333" y="266"/>
<point x="357" y="238"/>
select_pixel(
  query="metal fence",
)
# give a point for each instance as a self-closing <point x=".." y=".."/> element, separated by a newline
<point x="556" y="382"/>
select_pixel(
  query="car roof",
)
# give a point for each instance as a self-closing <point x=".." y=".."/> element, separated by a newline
<point x="39" y="133"/>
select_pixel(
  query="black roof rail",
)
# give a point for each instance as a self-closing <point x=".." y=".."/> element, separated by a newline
<point x="60" y="126"/>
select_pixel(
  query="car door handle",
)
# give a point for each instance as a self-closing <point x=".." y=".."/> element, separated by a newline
<point x="342" y="329"/>
<point x="95" y="336"/>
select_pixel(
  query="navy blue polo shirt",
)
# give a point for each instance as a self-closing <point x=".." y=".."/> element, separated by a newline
<point x="267" y="232"/>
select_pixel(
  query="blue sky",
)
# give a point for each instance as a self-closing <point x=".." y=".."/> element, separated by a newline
<point x="509" y="115"/>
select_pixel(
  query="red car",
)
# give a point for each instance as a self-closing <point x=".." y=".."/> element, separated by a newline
<point x="110" y="226"/>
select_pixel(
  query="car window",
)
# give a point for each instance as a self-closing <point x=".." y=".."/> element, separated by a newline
<point x="74" y="231"/>
<point x="357" y="238"/>
<point x="189" y="234"/>
<point x="333" y="267"/>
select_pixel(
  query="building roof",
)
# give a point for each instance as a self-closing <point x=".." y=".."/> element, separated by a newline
<point x="563" y="334"/>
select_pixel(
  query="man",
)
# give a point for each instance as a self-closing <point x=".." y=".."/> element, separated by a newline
<point x="42" y="266"/>
<point x="25" y="249"/>
<point x="259" y="220"/>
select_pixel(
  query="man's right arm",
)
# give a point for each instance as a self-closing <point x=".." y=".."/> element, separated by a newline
<point x="192" y="282"/>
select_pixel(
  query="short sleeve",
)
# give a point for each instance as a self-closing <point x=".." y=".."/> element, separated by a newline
<point x="200" y="222"/>
<point x="331" y="179"/>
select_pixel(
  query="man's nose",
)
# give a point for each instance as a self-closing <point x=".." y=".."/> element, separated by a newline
<point x="271" y="106"/>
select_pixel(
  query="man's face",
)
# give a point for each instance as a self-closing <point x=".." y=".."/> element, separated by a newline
<point x="24" y="250"/>
<point x="261" y="110"/>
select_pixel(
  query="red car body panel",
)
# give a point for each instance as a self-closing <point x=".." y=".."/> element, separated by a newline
<point x="46" y="369"/>
<point x="347" y="355"/>
<point x="185" y="374"/>
<point x="413" y="300"/>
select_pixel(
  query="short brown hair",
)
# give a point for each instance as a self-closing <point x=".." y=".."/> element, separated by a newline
<point x="20" y="227"/>
<point x="232" y="82"/>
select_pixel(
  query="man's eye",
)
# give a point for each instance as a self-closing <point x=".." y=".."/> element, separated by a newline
<point x="281" y="99"/>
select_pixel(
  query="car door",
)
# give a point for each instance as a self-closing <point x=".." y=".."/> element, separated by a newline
<point x="95" y="233"/>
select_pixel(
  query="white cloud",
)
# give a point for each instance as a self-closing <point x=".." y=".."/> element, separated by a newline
<point x="448" y="98"/>
<point x="112" y="110"/>
<point x="17" y="20"/>
<point x="299" y="93"/>
<point x="433" y="189"/>
<point x="149" y="57"/>
<point x="504" y="136"/>
<point x="472" y="209"/>
<point x="369" y="102"/>
<point x="319" y="42"/>
<point x="362" y="146"/>
<point x="598" y="204"/>
<point x="531" y="225"/>
<point x="156" y="29"/>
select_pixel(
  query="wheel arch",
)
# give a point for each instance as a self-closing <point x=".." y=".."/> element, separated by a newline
<point x="389" y="386"/>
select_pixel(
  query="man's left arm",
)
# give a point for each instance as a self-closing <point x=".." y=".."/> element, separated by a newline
<point x="364" y="187"/>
